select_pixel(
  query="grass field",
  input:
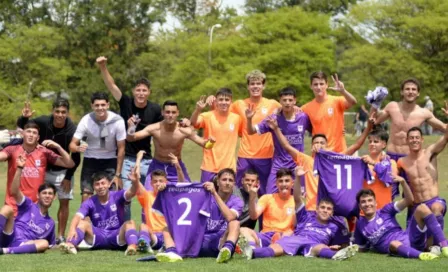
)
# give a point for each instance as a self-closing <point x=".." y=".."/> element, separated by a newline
<point x="116" y="261"/>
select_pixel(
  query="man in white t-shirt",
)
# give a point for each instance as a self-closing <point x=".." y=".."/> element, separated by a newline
<point x="103" y="133"/>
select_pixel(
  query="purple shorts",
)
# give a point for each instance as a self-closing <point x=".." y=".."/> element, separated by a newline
<point x="11" y="240"/>
<point x="169" y="169"/>
<point x="384" y="245"/>
<point x="106" y="239"/>
<point x="265" y="238"/>
<point x="207" y="176"/>
<point x="417" y="236"/>
<point x="210" y="244"/>
<point x="395" y="185"/>
<point x="261" y="166"/>
<point x="296" y="245"/>
<point x="160" y="241"/>
<point x="428" y="203"/>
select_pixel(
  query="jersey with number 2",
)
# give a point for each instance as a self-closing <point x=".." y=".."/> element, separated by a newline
<point x="186" y="207"/>
<point x="340" y="179"/>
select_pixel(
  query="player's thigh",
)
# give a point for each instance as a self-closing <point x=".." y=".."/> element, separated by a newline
<point x="438" y="208"/>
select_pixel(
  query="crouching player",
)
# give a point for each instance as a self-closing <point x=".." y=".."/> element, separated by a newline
<point x="223" y="228"/>
<point x="32" y="231"/>
<point x="107" y="229"/>
<point x="151" y="232"/>
<point x="277" y="210"/>
<point x="381" y="230"/>
<point x="314" y="232"/>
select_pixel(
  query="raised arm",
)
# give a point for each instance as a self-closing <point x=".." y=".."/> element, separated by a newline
<point x="200" y="105"/>
<point x="298" y="187"/>
<point x="228" y="214"/>
<point x="65" y="160"/>
<point x="107" y="78"/>
<point x="408" y="196"/>
<point x="179" y="170"/>
<point x="134" y="178"/>
<point x="250" y="112"/>
<point x="436" y="123"/>
<point x="254" y="210"/>
<point x="362" y="138"/>
<point x="133" y="136"/>
<point x="438" y="147"/>
<point x="382" y="115"/>
<point x="350" y="100"/>
<point x="15" y="185"/>
<point x="282" y="139"/>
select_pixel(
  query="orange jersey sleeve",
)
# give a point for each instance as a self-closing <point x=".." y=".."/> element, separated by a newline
<point x="225" y="130"/>
<point x="155" y="221"/>
<point x="255" y="146"/>
<point x="278" y="214"/>
<point x="311" y="181"/>
<point x="328" y="118"/>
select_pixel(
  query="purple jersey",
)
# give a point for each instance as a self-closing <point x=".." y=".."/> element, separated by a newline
<point x="379" y="231"/>
<point x="293" y="130"/>
<point x="30" y="224"/>
<point x="308" y="226"/>
<point x="108" y="216"/>
<point x="216" y="222"/>
<point x="340" y="179"/>
<point x="383" y="170"/>
<point x="186" y="207"/>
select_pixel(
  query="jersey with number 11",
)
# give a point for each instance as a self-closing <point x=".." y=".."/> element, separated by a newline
<point x="340" y="179"/>
<point x="186" y="207"/>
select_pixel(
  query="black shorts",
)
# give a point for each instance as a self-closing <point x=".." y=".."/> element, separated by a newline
<point x="90" y="166"/>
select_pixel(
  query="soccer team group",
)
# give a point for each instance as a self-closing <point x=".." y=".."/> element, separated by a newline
<point x="329" y="204"/>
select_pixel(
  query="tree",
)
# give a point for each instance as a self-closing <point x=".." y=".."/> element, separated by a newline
<point x="324" y="6"/>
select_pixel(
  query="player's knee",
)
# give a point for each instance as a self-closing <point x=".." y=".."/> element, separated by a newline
<point x="41" y="245"/>
<point x="234" y="224"/>
<point x="130" y="224"/>
<point x="422" y="211"/>
<point x="82" y="225"/>
<point x="278" y="250"/>
<point x="144" y="227"/>
<point x="7" y="211"/>
<point x="394" y="245"/>
<point x="437" y="208"/>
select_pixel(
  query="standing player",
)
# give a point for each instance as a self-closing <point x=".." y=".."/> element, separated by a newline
<point x="293" y="126"/>
<point x="249" y="180"/>
<point x="107" y="229"/>
<point x="168" y="136"/>
<point x="277" y="210"/>
<point x="222" y="125"/>
<point x="313" y="234"/>
<point x="37" y="159"/>
<point x="59" y="128"/>
<point x="142" y="113"/>
<point x="32" y="231"/>
<point x="326" y="112"/>
<point x="420" y="167"/>
<point x="104" y="133"/>
<point x="403" y="116"/>
<point x="380" y="229"/>
<point x="222" y="227"/>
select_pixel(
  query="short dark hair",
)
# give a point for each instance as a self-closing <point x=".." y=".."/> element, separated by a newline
<point x="31" y="124"/>
<point x="169" y="103"/>
<point x="61" y="102"/>
<point x="319" y="135"/>
<point x="414" y="129"/>
<point x="381" y="134"/>
<point x="287" y="91"/>
<point x="99" y="96"/>
<point x="46" y="186"/>
<point x="226" y="171"/>
<point x="364" y="192"/>
<point x="158" y="173"/>
<point x="224" y="92"/>
<point x="318" y="75"/>
<point x="100" y="175"/>
<point x="326" y="200"/>
<point x="250" y="171"/>
<point x="143" y="81"/>
<point x="410" y="80"/>
<point x="283" y="172"/>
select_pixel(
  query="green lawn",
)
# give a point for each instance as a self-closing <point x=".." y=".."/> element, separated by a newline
<point x="116" y="261"/>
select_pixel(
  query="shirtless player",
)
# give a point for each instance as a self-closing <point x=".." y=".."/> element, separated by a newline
<point x="420" y="167"/>
<point x="405" y="115"/>
<point x="169" y="136"/>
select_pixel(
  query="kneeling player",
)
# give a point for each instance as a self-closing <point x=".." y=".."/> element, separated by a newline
<point x="381" y="230"/>
<point x="277" y="210"/>
<point x="32" y="231"/>
<point x="312" y="237"/>
<point x="222" y="229"/>
<point x="105" y="209"/>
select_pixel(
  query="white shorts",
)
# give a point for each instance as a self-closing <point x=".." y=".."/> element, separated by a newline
<point x="56" y="178"/>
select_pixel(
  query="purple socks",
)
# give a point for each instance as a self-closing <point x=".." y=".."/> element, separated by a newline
<point x="131" y="237"/>
<point x="436" y="230"/>
<point x="23" y="249"/>
<point x="326" y="253"/>
<point x="171" y="249"/>
<point x="2" y="222"/>
<point x="263" y="252"/>
<point x="80" y="237"/>
<point x="408" y="252"/>
<point x="230" y="245"/>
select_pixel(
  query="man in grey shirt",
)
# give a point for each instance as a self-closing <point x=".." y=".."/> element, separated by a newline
<point x="249" y="180"/>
